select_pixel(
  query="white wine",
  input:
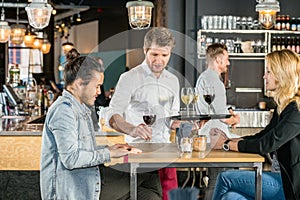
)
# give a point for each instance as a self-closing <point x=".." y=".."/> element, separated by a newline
<point x="195" y="98"/>
<point x="187" y="99"/>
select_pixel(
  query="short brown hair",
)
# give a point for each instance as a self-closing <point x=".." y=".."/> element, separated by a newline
<point x="213" y="50"/>
<point x="160" y="36"/>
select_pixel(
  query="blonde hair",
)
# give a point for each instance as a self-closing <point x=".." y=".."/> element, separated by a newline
<point x="284" y="65"/>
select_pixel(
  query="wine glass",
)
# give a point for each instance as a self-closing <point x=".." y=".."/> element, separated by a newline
<point x="149" y="116"/>
<point x="209" y="95"/>
<point x="195" y="98"/>
<point x="187" y="97"/>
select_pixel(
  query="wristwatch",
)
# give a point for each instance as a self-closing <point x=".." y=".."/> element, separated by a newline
<point x="226" y="146"/>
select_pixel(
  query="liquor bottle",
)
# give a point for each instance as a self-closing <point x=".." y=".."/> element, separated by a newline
<point x="41" y="102"/>
<point x="288" y="43"/>
<point x="282" y="43"/>
<point x="287" y="23"/>
<point x="278" y="22"/>
<point x="278" y="43"/>
<point x="298" y="24"/>
<point x="283" y="22"/>
<point x="297" y="44"/>
<point x="274" y="43"/>
<point x="293" y="24"/>
<point x="293" y="44"/>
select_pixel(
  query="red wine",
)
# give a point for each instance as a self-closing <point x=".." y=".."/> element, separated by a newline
<point x="149" y="119"/>
<point x="209" y="98"/>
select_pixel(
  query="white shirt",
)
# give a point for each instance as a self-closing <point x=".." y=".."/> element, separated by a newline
<point x="210" y="78"/>
<point x="138" y="89"/>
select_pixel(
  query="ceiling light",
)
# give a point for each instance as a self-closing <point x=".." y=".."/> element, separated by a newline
<point x="17" y="31"/>
<point x="67" y="46"/>
<point x="78" y="18"/>
<point x="4" y="27"/>
<point x="38" y="41"/>
<point x="46" y="46"/>
<point x="267" y="10"/>
<point x="139" y="13"/>
<point x="29" y="37"/>
<point x="39" y="13"/>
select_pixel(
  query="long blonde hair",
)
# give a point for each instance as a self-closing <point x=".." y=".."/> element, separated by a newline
<point x="285" y="67"/>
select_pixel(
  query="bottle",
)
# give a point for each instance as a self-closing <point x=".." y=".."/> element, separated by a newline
<point x="282" y="43"/>
<point x="297" y="44"/>
<point x="278" y="43"/>
<point x="283" y="21"/>
<point x="298" y="24"/>
<point x="288" y="43"/>
<point x="293" y="44"/>
<point x="287" y="23"/>
<point x="293" y="24"/>
<point x="41" y="102"/>
<point x="14" y="75"/>
<point x="274" y="44"/>
<point x="46" y="101"/>
<point x="278" y="22"/>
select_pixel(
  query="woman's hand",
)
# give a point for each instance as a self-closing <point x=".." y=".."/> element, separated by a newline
<point x="119" y="150"/>
<point x="217" y="138"/>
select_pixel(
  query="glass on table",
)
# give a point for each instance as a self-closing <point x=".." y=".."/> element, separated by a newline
<point x="195" y="98"/>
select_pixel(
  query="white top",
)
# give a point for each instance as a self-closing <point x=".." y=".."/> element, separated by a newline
<point x="210" y="78"/>
<point x="138" y="89"/>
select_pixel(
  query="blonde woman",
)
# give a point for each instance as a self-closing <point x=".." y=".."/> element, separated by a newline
<point x="281" y="138"/>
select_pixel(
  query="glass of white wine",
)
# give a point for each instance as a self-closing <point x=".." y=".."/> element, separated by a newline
<point x="195" y="98"/>
<point x="187" y="97"/>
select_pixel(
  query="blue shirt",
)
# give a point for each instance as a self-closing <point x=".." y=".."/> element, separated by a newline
<point x="69" y="155"/>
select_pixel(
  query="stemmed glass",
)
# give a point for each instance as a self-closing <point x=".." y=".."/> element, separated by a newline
<point x="149" y="116"/>
<point x="187" y="97"/>
<point x="195" y="98"/>
<point x="209" y="96"/>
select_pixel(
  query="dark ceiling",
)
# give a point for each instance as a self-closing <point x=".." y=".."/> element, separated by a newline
<point x="97" y="8"/>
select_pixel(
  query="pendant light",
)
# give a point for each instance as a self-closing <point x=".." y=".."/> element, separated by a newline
<point x="46" y="46"/>
<point x="139" y="14"/>
<point x="267" y="10"/>
<point x="39" y="13"/>
<point x="67" y="46"/>
<point x="17" y="31"/>
<point x="38" y="41"/>
<point x="4" y="27"/>
<point x="29" y="37"/>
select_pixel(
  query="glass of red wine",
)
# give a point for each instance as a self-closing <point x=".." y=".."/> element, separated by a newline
<point x="209" y="96"/>
<point x="149" y="116"/>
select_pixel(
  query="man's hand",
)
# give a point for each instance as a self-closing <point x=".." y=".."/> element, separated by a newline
<point x="119" y="150"/>
<point x="143" y="131"/>
<point x="217" y="138"/>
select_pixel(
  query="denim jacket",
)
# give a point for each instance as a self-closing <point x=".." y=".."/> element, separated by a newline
<point x="69" y="155"/>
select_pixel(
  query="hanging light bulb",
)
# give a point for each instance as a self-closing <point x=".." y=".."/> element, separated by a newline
<point x="139" y="13"/>
<point x="267" y="10"/>
<point x="17" y="31"/>
<point x="38" y="41"/>
<point x="46" y="46"/>
<point x="39" y="13"/>
<point x="29" y="37"/>
<point x="67" y="46"/>
<point x="78" y="18"/>
<point x="4" y="27"/>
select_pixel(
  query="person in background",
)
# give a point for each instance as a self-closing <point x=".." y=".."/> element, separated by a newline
<point x="280" y="138"/>
<point x="69" y="155"/>
<point x="149" y="85"/>
<point x="217" y="61"/>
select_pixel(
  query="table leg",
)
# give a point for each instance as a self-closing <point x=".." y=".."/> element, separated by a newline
<point x="258" y="180"/>
<point x="133" y="181"/>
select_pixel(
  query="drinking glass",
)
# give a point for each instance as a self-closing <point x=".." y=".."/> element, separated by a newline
<point x="187" y="97"/>
<point x="209" y="95"/>
<point x="195" y="98"/>
<point x="149" y="116"/>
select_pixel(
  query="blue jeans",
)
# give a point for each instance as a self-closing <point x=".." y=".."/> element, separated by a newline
<point x="240" y="185"/>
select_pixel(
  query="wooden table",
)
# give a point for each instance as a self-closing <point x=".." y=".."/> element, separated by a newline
<point x="157" y="156"/>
